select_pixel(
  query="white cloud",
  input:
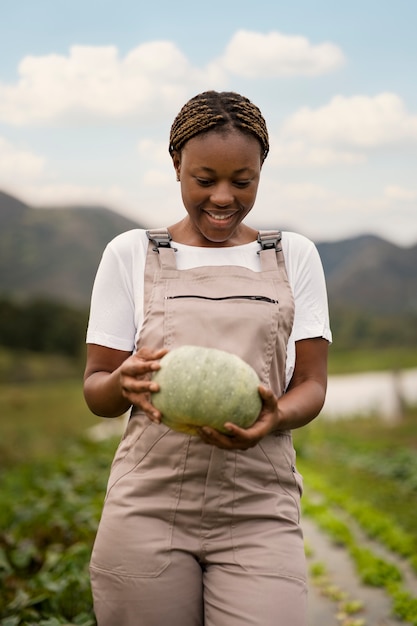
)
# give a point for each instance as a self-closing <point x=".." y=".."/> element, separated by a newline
<point x="272" y="55"/>
<point x="299" y="153"/>
<point x="157" y="178"/>
<point x="149" y="201"/>
<point x="153" y="79"/>
<point x="159" y="172"/>
<point x="69" y="194"/>
<point x="325" y="214"/>
<point x="94" y="82"/>
<point x="357" y="121"/>
<point x="17" y="164"/>
<point x="395" y="192"/>
<point x="343" y="131"/>
<point x="155" y="151"/>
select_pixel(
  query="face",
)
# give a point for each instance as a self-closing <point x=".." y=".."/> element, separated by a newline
<point x="219" y="174"/>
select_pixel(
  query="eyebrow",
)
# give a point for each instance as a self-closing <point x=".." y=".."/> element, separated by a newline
<point x="210" y="170"/>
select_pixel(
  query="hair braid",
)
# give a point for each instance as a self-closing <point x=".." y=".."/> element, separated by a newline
<point x="214" y="110"/>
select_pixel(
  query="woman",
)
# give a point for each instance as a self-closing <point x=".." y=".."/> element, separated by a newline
<point x="205" y="530"/>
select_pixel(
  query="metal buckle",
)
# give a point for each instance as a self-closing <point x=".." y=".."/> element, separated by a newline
<point x="269" y="240"/>
<point x="160" y="239"/>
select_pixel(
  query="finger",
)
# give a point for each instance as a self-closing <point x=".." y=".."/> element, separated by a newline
<point x="151" y="355"/>
<point x="268" y="396"/>
<point x="227" y="442"/>
<point x="255" y="432"/>
<point x="213" y="437"/>
<point x="138" y="368"/>
<point x="143" y="403"/>
<point x="137" y="386"/>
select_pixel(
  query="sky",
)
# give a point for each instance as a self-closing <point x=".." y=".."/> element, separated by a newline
<point x="89" y="90"/>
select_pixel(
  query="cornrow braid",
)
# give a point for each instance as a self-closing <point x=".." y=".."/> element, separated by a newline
<point x="213" y="110"/>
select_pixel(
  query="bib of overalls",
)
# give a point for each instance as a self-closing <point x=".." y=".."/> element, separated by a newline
<point x="231" y="308"/>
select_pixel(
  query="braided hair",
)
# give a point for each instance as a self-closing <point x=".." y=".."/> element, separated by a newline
<point x="214" y="110"/>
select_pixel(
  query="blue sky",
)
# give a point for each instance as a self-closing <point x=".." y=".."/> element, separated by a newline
<point x="89" y="89"/>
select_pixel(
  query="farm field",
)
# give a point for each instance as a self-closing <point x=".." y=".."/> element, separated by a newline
<point x="360" y="512"/>
<point x="359" y="507"/>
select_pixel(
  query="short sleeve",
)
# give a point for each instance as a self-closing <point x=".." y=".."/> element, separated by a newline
<point x="117" y="295"/>
<point x="307" y="280"/>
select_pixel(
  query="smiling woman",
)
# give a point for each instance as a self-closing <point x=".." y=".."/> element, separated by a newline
<point x="217" y="509"/>
<point x="218" y="146"/>
<point x="219" y="176"/>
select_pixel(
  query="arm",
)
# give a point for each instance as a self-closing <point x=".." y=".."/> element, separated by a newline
<point x="306" y="392"/>
<point x="114" y="380"/>
<point x="301" y="403"/>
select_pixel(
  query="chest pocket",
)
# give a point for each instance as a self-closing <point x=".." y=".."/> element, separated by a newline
<point x="245" y="321"/>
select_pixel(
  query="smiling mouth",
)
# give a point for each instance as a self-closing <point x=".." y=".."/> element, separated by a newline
<point x="220" y="217"/>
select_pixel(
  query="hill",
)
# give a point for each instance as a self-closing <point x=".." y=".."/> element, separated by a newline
<point x="55" y="253"/>
<point x="370" y="274"/>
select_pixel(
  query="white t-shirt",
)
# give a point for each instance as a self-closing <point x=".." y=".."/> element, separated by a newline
<point x="116" y="313"/>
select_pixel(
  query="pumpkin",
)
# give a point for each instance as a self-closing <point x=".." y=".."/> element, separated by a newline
<point x="205" y="387"/>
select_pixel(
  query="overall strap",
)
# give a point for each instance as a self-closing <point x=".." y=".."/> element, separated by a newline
<point x="161" y="240"/>
<point x="271" y="250"/>
<point x="159" y="256"/>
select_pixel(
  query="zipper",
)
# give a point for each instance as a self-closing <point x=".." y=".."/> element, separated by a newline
<point x="257" y="298"/>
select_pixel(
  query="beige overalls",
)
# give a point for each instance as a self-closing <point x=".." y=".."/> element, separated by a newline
<point x="191" y="534"/>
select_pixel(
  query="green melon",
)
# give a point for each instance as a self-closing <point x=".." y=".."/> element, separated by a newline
<point x="206" y="387"/>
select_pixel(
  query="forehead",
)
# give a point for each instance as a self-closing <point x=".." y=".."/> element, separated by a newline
<point x="243" y="148"/>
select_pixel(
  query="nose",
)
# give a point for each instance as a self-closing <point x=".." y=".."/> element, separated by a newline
<point x="222" y="195"/>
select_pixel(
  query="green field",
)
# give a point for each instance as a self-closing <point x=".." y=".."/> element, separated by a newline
<point x="37" y="419"/>
<point x="361" y="490"/>
<point x="381" y="359"/>
<point x="53" y="479"/>
<point x="23" y="366"/>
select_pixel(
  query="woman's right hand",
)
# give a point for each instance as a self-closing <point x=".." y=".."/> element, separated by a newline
<point x="114" y="380"/>
<point x="136" y="382"/>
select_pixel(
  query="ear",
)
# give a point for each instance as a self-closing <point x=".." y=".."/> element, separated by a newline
<point x="176" y="160"/>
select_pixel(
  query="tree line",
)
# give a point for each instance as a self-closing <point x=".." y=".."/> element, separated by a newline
<point x="48" y="326"/>
<point x="353" y="329"/>
<point x="42" y="325"/>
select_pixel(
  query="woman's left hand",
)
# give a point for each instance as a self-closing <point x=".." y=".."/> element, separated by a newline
<point x="245" y="438"/>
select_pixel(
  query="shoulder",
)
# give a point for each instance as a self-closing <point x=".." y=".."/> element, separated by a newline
<point x="124" y="253"/>
<point x="127" y="247"/>
<point x="128" y="240"/>
<point x="302" y="260"/>
<point x="299" y="251"/>
<point x="295" y="243"/>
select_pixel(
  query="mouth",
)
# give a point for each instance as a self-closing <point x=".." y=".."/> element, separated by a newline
<point x="220" y="217"/>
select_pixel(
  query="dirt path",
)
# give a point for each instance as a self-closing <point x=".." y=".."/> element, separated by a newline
<point x="324" y="611"/>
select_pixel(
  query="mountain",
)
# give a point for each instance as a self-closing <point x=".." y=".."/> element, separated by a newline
<point x="55" y="253"/>
<point x="370" y="274"/>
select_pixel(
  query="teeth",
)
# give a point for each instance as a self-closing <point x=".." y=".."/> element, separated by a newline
<point x="219" y="217"/>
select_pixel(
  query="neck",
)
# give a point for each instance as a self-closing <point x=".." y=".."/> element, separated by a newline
<point x="183" y="232"/>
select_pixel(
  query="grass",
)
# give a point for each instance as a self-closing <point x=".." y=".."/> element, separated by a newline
<point x="37" y="419"/>
<point x="381" y="359"/>
<point x="345" y="455"/>
<point x="361" y="475"/>
<point x="49" y="511"/>
<point x="23" y="366"/>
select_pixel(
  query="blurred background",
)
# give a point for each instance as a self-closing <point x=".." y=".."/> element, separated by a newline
<point x="88" y="92"/>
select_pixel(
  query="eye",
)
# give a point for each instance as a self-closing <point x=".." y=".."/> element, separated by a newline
<point x="242" y="183"/>
<point x="204" y="182"/>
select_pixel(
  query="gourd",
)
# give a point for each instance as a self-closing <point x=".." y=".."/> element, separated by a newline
<point x="205" y="387"/>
